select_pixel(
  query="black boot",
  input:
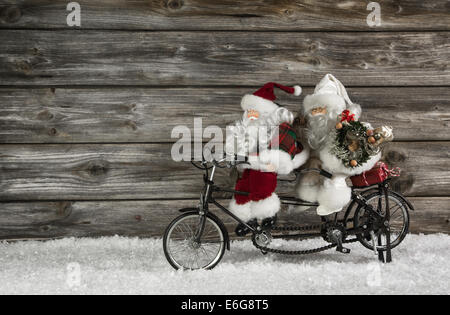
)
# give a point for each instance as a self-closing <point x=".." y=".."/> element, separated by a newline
<point x="242" y="230"/>
<point x="269" y="223"/>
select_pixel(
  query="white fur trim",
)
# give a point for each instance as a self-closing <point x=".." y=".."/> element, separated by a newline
<point x="266" y="208"/>
<point x="332" y="102"/>
<point x="258" y="103"/>
<point x="333" y="195"/>
<point x="308" y="192"/>
<point x="301" y="158"/>
<point x="298" y="90"/>
<point x="283" y="162"/>
<point x="278" y="158"/>
<point x="333" y="165"/>
<point x="324" y="211"/>
<point x="253" y="164"/>
<point x="243" y="212"/>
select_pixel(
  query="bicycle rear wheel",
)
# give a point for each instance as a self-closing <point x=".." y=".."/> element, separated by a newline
<point x="399" y="220"/>
<point x="184" y="252"/>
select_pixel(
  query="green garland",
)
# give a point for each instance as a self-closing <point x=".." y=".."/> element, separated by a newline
<point x="351" y="132"/>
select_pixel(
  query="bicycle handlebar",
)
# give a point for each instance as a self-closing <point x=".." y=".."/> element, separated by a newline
<point x="237" y="160"/>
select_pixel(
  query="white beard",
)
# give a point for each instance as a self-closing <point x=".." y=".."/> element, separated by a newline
<point x="319" y="129"/>
<point x="247" y="134"/>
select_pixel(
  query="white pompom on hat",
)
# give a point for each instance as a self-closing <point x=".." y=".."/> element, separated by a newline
<point x="331" y="94"/>
<point x="263" y="99"/>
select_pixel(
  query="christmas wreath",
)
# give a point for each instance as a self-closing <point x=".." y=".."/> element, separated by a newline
<point x="353" y="141"/>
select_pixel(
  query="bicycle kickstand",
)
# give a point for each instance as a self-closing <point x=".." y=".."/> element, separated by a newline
<point x="380" y="252"/>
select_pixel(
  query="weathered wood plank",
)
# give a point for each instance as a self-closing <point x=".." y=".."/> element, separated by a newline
<point x="146" y="171"/>
<point x="223" y="58"/>
<point x="149" y="218"/>
<point x="227" y="15"/>
<point x="146" y="115"/>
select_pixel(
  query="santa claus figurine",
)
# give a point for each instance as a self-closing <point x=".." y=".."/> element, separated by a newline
<point x="265" y="135"/>
<point x="325" y="111"/>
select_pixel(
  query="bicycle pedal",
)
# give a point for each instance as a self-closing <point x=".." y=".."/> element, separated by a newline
<point x="344" y="250"/>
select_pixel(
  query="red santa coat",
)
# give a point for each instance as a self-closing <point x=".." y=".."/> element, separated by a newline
<point x="284" y="153"/>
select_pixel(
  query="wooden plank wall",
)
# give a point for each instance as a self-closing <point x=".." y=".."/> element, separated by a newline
<point x="86" y="112"/>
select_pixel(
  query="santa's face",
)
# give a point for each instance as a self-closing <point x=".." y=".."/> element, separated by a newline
<point x="256" y="127"/>
<point x="320" y="122"/>
<point x="253" y="114"/>
<point x="319" y="111"/>
<point x="252" y="117"/>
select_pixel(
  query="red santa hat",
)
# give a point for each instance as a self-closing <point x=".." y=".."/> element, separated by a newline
<point x="263" y="99"/>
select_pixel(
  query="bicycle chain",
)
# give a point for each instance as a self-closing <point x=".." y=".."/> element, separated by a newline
<point x="297" y="228"/>
<point x="298" y="252"/>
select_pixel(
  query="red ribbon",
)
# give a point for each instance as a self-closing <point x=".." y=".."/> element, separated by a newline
<point x="346" y="116"/>
<point x="395" y="172"/>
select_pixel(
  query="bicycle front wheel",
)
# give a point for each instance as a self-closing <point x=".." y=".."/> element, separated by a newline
<point x="183" y="251"/>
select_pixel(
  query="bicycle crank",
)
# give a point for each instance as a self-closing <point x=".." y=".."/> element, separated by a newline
<point x="263" y="239"/>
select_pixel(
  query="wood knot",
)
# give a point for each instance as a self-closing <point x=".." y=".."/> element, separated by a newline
<point x="175" y="4"/>
<point x="138" y="218"/>
<point x="24" y="66"/>
<point x="128" y="108"/>
<point x="36" y="52"/>
<point x="11" y="14"/>
<point x="313" y="47"/>
<point x="394" y="157"/>
<point x="45" y="115"/>
<point x="98" y="168"/>
<point x="64" y="209"/>
<point x="52" y="132"/>
<point x="315" y="62"/>
<point x="288" y="12"/>
<point x="131" y="124"/>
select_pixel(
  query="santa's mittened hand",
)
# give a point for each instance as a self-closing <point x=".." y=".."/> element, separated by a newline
<point x="270" y="168"/>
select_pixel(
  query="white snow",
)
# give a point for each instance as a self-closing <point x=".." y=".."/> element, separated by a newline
<point x="137" y="266"/>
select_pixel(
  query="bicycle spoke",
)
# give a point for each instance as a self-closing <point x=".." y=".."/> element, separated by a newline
<point x="210" y="230"/>
<point x="190" y="230"/>
<point x="211" y="251"/>
<point x="396" y="210"/>
<point x="206" y="253"/>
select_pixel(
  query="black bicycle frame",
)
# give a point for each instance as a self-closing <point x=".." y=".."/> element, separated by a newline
<point x="357" y="198"/>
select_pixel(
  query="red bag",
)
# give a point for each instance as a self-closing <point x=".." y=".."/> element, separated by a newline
<point x="376" y="175"/>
